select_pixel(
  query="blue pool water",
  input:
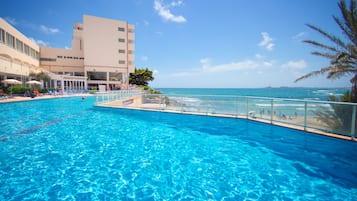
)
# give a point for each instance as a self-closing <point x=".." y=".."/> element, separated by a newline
<point x="67" y="149"/>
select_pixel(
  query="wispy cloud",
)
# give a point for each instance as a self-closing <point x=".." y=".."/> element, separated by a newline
<point x="144" y="58"/>
<point x="234" y="66"/>
<point x="40" y="42"/>
<point x="295" y="65"/>
<point x="300" y="36"/>
<point x="259" y="56"/>
<point x="146" y="23"/>
<point x="159" y="33"/>
<point x="267" y="42"/>
<point x="164" y="11"/>
<point x="11" y="20"/>
<point x="48" y="30"/>
<point x="239" y="66"/>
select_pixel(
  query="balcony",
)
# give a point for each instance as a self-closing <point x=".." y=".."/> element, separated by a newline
<point x="131" y="46"/>
<point x="131" y="57"/>
<point x="131" y="36"/>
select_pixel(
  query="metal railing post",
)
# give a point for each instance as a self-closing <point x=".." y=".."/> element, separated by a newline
<point x="247" y="107"/>
<point x="272" y="111"/>
<point x="305" y="115"/>
<point x="353" y="123"/>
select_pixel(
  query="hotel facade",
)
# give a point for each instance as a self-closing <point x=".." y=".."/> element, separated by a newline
<point x="102" y="54"/>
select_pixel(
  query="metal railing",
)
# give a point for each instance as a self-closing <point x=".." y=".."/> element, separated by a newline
<point x="110" y="96"/>
<point x="332" y="117"/>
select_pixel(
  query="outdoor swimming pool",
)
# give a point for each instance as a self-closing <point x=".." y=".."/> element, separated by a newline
<point x="67" y="149"/>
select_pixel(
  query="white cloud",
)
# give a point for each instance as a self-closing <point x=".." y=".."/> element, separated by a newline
<point x="48" y="30"/>
<point x="11" y="21"/>
<point x="164" y="11"/>
<point x="234" y="66"/>
<point x="40" y="42"/>
<point x="267" y="42"/>
<point x="295" y="65"/>
<point x="67" y="48"/>
<point x="155" y="72"/>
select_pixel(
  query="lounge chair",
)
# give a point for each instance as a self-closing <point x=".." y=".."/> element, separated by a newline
<point x="3" y="94"/>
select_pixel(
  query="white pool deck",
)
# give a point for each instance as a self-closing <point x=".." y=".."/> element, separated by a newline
<point x="45" y="96"/>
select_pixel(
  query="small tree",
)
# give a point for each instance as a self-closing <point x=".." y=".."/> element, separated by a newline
<point x="41" y="76"/>
<point x="141" y="77"/>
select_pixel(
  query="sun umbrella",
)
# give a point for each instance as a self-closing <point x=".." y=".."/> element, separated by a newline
<point x="35" y="82"/>
<point x="11" y="81"/>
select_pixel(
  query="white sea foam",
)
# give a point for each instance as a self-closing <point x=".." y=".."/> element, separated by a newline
<point x="280" y="105"/>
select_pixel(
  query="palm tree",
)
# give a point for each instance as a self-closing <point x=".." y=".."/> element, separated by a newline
<point x="141" y="77"/>
<point x="342" y="54"/>
<point x="42" y="76"/>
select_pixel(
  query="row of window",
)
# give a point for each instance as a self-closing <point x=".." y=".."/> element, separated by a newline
<point x="69" y="57"/>
<point x="17" y="44"/>
<point x="60" y="57"/>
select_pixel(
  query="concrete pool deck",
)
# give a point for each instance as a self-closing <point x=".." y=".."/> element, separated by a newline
<point x="21" y="98"/>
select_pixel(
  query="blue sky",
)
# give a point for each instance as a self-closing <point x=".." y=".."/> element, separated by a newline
<point x="199" y="43"/>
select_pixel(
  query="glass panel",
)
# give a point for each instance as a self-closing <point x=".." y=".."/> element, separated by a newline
<point x="115" y="76"/>
<point x="335" y="118"/>
<point x="97" y="75"/>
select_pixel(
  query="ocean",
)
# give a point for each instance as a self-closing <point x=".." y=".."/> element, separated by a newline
<point x="284" y="92"/>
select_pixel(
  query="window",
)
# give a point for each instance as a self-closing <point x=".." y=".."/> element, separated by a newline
<point x="121" y="40"/>
<point x="121" y="62"/>
<point x="47" y="59"/>
<point x="60" y="57"/>
<point x="121" y="29"/>
<point x="27" y="49"/>
<point x="121" y="51"/>
<point x="37" y="54"/>
<point x="19" y="45"/>
<point x="2" y="36"/>
<point x="10" y="40"/>
<point x="32" y="53"/>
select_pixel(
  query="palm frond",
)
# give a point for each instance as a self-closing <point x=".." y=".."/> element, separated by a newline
<point x="324" y="54"/>
<point x="314" y="73"/>
<point x="349" y="18"/>
<point x="320" y="45"/>
<point x="332" y="38"/>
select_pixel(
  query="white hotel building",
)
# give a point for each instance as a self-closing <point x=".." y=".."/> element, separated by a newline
<point x="101" y="54"/>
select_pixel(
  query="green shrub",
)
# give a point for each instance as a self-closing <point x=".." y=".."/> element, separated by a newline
<point x="19" y="89"/>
